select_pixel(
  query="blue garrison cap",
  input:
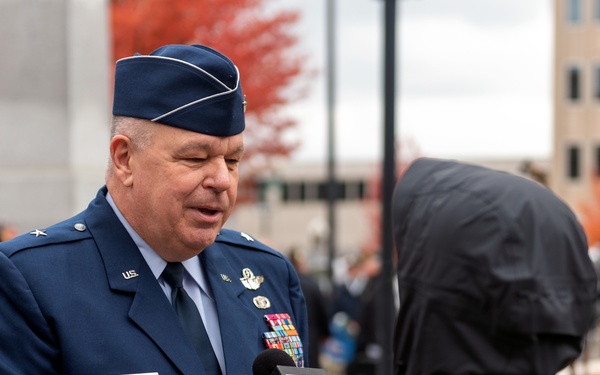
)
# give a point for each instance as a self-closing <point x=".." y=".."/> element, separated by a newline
<point x="189" y="87"/>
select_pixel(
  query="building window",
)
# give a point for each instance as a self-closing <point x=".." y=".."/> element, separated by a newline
<point x="314" y="191"/>
<point x="573" y="162"/>
<point x="338" y="191"/>
<point x="355" y="190"/>
<point x="597" y="81"/>
<point x="573" y="83"/>
<point x="597" y="166"/>
<point x="293" y="192"/>
<point x="311" y="191"/>
<point x="573" y="11"/>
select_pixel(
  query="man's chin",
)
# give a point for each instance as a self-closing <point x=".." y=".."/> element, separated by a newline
<point x="203" y="240"/>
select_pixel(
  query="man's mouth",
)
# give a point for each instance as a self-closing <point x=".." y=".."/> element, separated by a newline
<point x="206" y="211"/>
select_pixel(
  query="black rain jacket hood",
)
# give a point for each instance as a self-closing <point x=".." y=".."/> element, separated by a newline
<point x="493" y="272"/>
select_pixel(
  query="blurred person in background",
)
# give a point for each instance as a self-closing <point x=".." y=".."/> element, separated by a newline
<point x="368" y="350"/>
<point x="494" y="274"/>
<point x="353" y="347"/>
<point x="316" y="306"/>
<point x="7" y="232"/>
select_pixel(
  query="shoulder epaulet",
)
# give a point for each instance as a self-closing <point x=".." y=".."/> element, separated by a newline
<point x="73" y="229"/>
<point x="242" y="239"/>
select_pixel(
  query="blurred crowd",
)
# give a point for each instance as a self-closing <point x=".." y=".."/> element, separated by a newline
<point x="591" y="349"/>
<point x="7" y="231"/>
<point x="342" y="313"/>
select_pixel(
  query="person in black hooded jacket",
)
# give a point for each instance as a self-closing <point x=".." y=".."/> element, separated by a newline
<point x="493" y="273"/>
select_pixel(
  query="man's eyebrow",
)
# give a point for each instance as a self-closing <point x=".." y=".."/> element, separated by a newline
<point x="237" y="151"/>
<point x="194" y="146"/>
<point x="206" y="146"/>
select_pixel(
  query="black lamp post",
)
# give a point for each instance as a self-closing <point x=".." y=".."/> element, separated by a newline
<point x="331" y="180"/>
<point x="387" y="308"/>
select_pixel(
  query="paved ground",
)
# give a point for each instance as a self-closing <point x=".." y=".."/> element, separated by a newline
<point x="591" y="367"/>
<point x="589" y="362"/>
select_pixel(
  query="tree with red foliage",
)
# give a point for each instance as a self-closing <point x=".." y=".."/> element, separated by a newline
<point x="590" y="213"/>
<point x="260" y="42"/>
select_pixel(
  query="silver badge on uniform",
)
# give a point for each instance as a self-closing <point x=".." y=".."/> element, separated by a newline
<point x="249" y="280"/>
<point x="261" y="302"/>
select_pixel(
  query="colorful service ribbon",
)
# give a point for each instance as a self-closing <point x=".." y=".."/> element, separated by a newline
<point x="283" y="336"/>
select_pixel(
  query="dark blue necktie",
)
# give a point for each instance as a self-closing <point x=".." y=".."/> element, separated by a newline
<point x="190" y="317"/>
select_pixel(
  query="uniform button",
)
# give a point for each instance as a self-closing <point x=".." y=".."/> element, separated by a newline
<point x="79" y="227"/>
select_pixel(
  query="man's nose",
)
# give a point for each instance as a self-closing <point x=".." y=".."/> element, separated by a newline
<point x="218" y="176"/>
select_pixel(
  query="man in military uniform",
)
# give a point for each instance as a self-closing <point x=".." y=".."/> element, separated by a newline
<point x="109" y="290"/>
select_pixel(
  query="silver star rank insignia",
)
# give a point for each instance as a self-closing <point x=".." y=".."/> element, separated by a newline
<point x="38" y="232"/>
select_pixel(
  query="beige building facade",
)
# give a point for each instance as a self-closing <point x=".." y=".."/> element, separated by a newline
<point x="54" y="101"/>
<point x="576" y="156"/>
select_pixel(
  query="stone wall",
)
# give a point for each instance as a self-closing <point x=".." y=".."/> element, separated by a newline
<point x="54" y="95"/>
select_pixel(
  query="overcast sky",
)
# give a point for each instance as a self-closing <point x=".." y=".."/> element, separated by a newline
<point x="474" y="78"/>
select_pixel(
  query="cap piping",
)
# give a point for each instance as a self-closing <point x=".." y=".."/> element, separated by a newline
<point x="228" y="90"/>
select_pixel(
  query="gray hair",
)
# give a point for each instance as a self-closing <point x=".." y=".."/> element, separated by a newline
<point x="139" y="131"/>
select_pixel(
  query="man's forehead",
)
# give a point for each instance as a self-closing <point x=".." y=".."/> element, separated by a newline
<point x="212" y="144"/>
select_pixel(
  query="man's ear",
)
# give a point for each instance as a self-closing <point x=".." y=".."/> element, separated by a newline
<point x="121" y="150"/>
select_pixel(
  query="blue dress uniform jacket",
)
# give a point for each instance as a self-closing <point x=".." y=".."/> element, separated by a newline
<point x="83" y="301"/>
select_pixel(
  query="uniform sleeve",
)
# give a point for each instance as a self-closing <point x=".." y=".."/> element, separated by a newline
<point x="299" y="307"/>
<point x="26" y="343"/>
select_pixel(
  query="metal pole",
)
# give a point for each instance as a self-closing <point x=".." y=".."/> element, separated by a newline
<point x="387" y="311"/>
<point x="331" y="180"/>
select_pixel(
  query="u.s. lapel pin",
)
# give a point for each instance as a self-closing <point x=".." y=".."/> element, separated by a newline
<point x="247" y="237"/>
<point x="249" y="280"/>
<point x="129" y="274"/>
<point x="225" y="278"/>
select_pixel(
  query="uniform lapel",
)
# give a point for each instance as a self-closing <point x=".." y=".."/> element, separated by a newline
<point x="127" y="271"/>
<point x="237" y="320"/>
<point x="151" y="311"/>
